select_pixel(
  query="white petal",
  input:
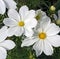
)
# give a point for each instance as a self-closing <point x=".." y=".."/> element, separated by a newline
<point x="54" y="40"/>
<point x="48" y="49"/>
<point x="43" y="13"/>
<point x="55" y="17"/>
<point x="12" y="30"/>
<point x="3" y="53"/>
<point x="7" y="44"/>
<point x="38" y="47"/>
<point x="40" y="12"/>
<point x="53" y="29"/>
<point x="10" y="4"/>
<point x="30" y="14"/>
<point x="13" y="14"/>
<point x="2" y="7"/>
<point x="23" y="11"/>
<point x="44" y="22"/>
<point x="28" y="42"/>
<point x="10" y="22"/>
<point x="3" y="33"/>
<point x="19" y="31"/>
<point x="31" y="23"/>
<point x="28" y="32"/>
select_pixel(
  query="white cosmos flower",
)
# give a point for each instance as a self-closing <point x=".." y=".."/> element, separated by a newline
<point x="21" y="23"/>
<point x="40" y="14"/>
<point x="44" y="37"/>
<point x="5" y="44"/>
<point x="7" y="4"/>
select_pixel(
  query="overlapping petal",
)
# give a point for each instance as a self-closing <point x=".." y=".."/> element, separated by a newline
<point x="10" y="22"/>
<point x="31" y="23"/>
<point x="12" y="30"/>
<point x="28" y="32"/>
<point x="38" y="47"/>
<point x="3" y="33"/>
<point x="8" y="44"/>
<point x="48" y="49"/>
<point x="13" y="14"/>
<point x="2" y="7"/>
<point x="19" y="31"/>
<point x="3" y="53"/>
<point x="23" y="12"/>
<point x="53" y="29"/>
<point x="11" y="4"/>
<point x="54" y="40"/>
<point x="28" y="41"/>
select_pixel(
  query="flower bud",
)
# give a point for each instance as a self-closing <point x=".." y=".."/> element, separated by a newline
<point x="52" y="8"/>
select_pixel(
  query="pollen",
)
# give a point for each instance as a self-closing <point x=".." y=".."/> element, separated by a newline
<point x="42" y="35"/>
<point x="21" y="23"/>
<point x="38" y="17"/>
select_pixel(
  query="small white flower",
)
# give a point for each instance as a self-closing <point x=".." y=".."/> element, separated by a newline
<point x="21" y="23"/>
<point x="7" y="4"/>
<point x="40" y="14"/>
<point x="5" y="44"/>
<point x="44" y="37"/>
<point x="57" y="18"/>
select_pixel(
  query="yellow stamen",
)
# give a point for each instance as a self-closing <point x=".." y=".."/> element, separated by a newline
<point x="37" y="17"/>
<point x="42" y="35"/>
<point x="21" y="23"/>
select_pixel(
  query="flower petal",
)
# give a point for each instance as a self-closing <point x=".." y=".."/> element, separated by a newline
<point x="19" y="31"/>
<point x="3" y="33"/>
<point x="11" y="4"/>
<point x="44" y="23"/>
<point x="55" y="17"/>
<point x="23" y="11"/>
<point x="2" y="7"/>
<point x="28" y="42"/>
<point x="53" y="29"/>
<point x="48" y="49"/>
<point x="12" y="30"/>
<point x="30" y="14"/>
<point x="38" y="47"/>
<point x="31" y="23"/>
<point x="3" y="53"/>
<point x="7" y="44"/>
<point x="14" y="14"/>
<point x="28" y="32"/>
<point x="10" y="22"/>
<point x="54" y="40"/>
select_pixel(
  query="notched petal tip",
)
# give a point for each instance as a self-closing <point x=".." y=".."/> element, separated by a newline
<point x="8" y="44"/>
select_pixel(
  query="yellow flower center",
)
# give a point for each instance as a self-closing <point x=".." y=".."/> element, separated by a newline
<point x="21" y="23"/>
<point x="42" y="35"/>
<point x="37" y="17"/>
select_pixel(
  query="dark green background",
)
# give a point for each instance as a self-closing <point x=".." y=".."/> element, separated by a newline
<point x="26" y="52"/>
